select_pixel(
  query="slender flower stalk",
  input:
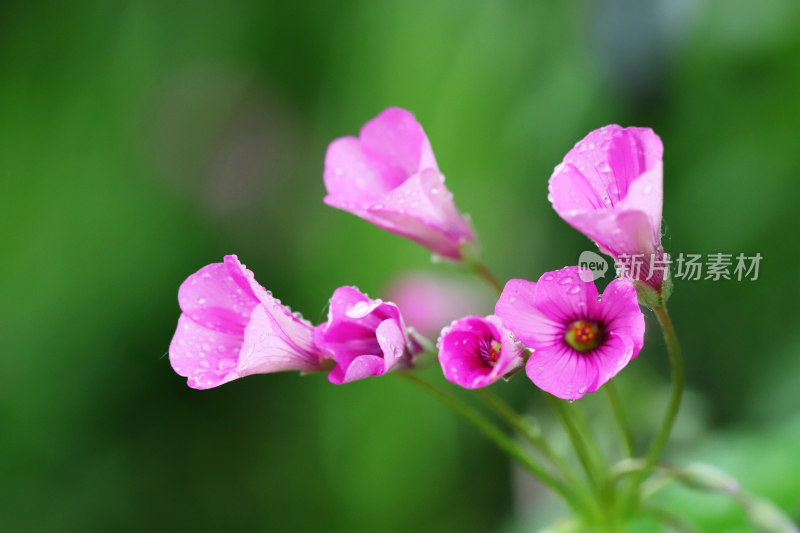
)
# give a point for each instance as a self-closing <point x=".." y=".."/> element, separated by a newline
<point x="619" y="417"/>
<point x="525" y="430"/>
<point x="661" y="438"/>
<point x="499" y="438"/>
<point x="485" y="274"/>
<point x="533" y="436"/>
<point x="579" y="439"/>
<point x="597" y="472"/>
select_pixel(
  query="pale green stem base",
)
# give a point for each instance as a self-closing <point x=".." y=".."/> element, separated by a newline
<point x="661" y="438"/>
<point x="504" y="442"/>
<point x="619" y="417"/>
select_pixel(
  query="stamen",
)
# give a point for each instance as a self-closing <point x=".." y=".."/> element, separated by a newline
<point x="583" y="336"/>
<point x="494" y="351"/>
<point x="490" y="352"/>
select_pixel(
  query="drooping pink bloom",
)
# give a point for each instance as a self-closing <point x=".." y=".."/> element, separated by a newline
<point x="578" y="342"/>
<point x="609" y="187"/>
<point x="388" y="176"/>
<point x="364" y="337"/>
<point x="232" y="327"/>
<point x="475" y="352"/>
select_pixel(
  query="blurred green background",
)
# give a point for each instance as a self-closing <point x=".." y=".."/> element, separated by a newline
<point x="140" y="141"/>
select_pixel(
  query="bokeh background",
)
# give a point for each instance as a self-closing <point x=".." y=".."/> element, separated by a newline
<point x="140" y="141"/>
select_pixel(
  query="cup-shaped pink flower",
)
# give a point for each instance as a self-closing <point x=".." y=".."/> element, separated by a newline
<point x="364" y="337"/>
<point x="232" y="327"/>
<point x="578" y="341"/>
<point x="475" y="352"/>
<point x="388" y="176"/>
<point x="609" y="187"/>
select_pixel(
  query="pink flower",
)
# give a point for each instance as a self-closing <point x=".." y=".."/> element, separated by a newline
<point x="231" y="327"/>
<point x="609" y="187"/>
<point x="364" y="337"/>
<point x="578" y="342"/>
<point x="388" y="176"/>
<point x="475" y="352"/>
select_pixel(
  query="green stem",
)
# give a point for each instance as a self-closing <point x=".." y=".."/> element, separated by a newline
<point x="661" y="438"/>
<point x="593" y="463"/>
<point x="531" y="435"/>
<point x="578" y="439"/>
<point x="483" y="272"/>
<point x="526" y="431"/>
<point x="619" y="417"/>
<point x="498" y="437"/>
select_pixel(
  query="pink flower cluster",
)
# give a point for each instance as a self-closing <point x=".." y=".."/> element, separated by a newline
<point x="569" y="339"/>
<point x="232" y="327"/>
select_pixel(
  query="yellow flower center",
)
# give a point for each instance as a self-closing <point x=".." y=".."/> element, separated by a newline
<point x="583" y="336"/>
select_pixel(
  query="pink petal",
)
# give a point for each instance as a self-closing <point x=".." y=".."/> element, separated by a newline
<point x="564" y="296"/>
<point x="392" y="341"/>
<point x="612" y="157"/>
<point x="400" y="140"/>
<point x="298" y="332"/>
<point x="218" y="296"/>
<point x="562" y="371"/>
<point x="620" y="313"/>
<point x="570" y="191"/>
<point x="268" y="348"/>
<point x="205" y="356"/>
<point x="352" y="314"/>
<point x="615" y="353"/>
<point x="363" y="366"/>
<point x="517" y="310"/>
<point x="249" y="278"/>
<point x="458" y="369"/>
<point x="616" y="232"/>
<point x="355" y="177"/>
<point x="422" y="209"/>
<point x="646" y="194"/>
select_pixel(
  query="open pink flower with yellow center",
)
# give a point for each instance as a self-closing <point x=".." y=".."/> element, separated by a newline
<point x="364" y="337"/>
<point x="579" y="342"/>
<point x="232" y="327"/>
<point x="475" y="352"/>
<point x="609" y="187"/>
<point x="388" y="176"/>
